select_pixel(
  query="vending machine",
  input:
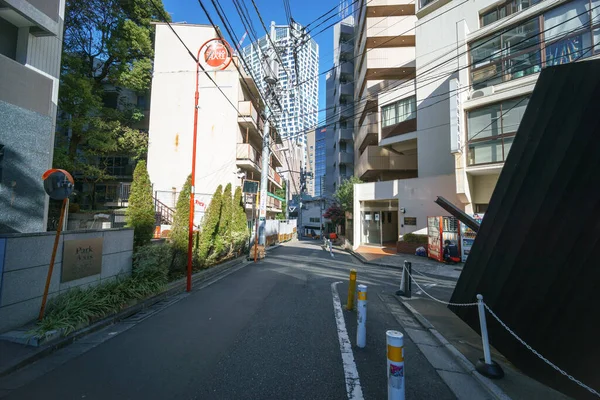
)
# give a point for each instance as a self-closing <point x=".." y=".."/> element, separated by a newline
<point x="440" y="229"/>
<point x="467" y="236"/>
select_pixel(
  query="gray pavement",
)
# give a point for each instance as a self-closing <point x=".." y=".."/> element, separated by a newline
<point x="265" y="331"/>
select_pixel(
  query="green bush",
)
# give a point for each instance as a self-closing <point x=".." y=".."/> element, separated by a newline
<point x="413" y="238"/>
<point x="181" y="220"/>
<point x="210" y="226"/>
<point x="77" y="307"/>
<point x="140" y="214"/>
<point x="225" y="222"/>
<point x="239" y="226"/>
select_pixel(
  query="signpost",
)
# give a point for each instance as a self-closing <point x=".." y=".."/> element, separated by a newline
<point x="214" y="55"/>
<point x="59" y="185"/>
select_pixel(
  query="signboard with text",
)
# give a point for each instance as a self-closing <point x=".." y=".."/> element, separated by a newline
<point x="455" y="116"/>
<point x="81" y="258"/>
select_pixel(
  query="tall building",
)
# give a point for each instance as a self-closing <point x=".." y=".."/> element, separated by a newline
<point x="451" y="127"/>
<point x="477" y="99"/>
<point x="315" y="150"/>
<point x="300" y="105"/>
<point x="340" y="108"/>
<point x="31" y="35"/>
<point x="398" y="149"/>
<point x="229" y="146"/>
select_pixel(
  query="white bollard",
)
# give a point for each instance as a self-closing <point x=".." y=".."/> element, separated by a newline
<point x="395" y="365"/>
<point x="361" y="308"/>
<point x="487" y="366"/>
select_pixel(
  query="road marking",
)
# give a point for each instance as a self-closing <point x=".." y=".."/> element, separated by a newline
<point x="350" y="372"/>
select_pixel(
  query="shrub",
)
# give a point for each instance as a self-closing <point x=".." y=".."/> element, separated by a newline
<point x="239" y="226"/>
<point x="210" y="225"/>
<point x="181" y="219"/>
<point x="140" y="214"/>
<point x="225" y="221"/>
<point x="412" y="238"/>
<point x="78" y="307"/>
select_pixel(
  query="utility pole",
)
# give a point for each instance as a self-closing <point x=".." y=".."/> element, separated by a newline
<point x="271" y="68"/>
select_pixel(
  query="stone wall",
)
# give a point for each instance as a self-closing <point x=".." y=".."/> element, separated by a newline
<point x="24" y="262"/>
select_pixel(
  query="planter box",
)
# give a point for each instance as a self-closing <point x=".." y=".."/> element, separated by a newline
<point x="407" y="248"/>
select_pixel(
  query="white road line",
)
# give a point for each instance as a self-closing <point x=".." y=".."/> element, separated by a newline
<point x="351" y="373"/>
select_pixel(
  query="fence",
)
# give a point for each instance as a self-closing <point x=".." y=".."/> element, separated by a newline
<point x="277" y="231"/>
<point x="484" y="307"/>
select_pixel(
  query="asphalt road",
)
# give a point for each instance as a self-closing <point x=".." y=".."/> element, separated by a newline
<point x="266" y="331"/>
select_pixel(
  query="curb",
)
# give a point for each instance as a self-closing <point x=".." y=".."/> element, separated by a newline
<point x="486" y="383"/>
<point x="171" y="289"/>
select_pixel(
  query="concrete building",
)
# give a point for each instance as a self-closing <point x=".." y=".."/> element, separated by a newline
<point x="340" y="107"/>
<point x="30" y="52"/>
<point x="477" y="99"/>
<point x="227" y="144"/>
<point x="301" y="105"/>
<point x="384" y="76"/>
<point x="451" y="127"/>
<point x="315" y="166"/>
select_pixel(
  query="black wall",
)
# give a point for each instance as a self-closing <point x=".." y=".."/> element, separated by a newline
<point x="536" y="259"/>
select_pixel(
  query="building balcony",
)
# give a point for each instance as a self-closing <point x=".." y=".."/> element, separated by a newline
<point x="276" y="159"/>
<point x="367" y="133"/>
<point x="346" y="51"/>
<point x="42" y="19"/>
<point x="273" y="205"/>
<point x="24" y="87"/>
<point x="345" y="158"/>
<point x="347" y="70"/>
<point x="344" y="135"/>
<point x="375" y="160"/>
<point x="250" y="120"/>
<point x="247" y="157"/>
<point x="275" y="177"/>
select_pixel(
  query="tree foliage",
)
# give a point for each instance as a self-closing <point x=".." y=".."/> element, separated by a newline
<point x="239" y="225"/>
<point x="107" y="48"/>
<point x="180" y="227"/>
<point x="335" y="214"/>
<point x="210" y="225"/>
<point x="283" y="194"/>
<point x="345" y="194"/>
<point x="140" y="213"/>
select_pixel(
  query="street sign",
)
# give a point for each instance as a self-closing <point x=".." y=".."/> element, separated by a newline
<point x="215" y="54"/>
<point x="250" y="187"/>
<point x="292" y="208"/>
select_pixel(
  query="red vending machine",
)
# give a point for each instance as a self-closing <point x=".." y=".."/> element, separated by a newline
<point x="440" y="229"/>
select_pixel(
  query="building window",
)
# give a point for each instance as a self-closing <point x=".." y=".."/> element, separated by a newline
<point x="399" y="111"/>
<point x="315" y="220"/>
<point x="568" y="35"/>
<point x="505" y="9"/>
<point x="491" y="130"/>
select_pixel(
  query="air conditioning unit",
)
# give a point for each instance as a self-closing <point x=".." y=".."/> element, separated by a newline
<point x="482" y="92"/>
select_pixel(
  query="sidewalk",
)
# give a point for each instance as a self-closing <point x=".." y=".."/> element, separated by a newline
<point x="388" y="257"/>
<point x="437" y="317"/>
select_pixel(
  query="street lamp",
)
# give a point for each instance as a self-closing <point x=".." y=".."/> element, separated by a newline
<point x="217" y="55"/>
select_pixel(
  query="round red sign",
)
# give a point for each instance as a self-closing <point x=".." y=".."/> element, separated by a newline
<point x="217" y="53"/>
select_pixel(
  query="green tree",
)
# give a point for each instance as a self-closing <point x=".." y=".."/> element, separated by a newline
<point x="107" y="48"/>
<point x="239" y="224"/>
<point x="140" y="213"/>
<point x="345" y="194"/>
<point x="181" y="220"/>
<point x="210" y="224"/>
<point x="283" y="194"/>
<point x="223" y="235"/>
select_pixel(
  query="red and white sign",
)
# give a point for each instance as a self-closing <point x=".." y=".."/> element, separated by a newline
<point x="201" y="206"/>
<point x="215" y="54"/>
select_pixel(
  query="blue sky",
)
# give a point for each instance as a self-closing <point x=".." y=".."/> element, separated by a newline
<point x="303" y="11"/>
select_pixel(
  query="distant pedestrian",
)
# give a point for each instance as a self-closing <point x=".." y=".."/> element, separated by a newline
<point x="451" y="255"/>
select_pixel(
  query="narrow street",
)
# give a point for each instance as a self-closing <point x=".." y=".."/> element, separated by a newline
<point x="263" y="331"/>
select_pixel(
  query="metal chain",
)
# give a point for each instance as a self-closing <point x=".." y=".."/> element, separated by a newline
<point x="438" y="300"/>
<point x="589" y="389"/>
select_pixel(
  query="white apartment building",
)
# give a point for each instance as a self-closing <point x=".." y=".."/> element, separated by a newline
<point x="476" y="63"/>
<point x="227" y="143"/>
<point x="300" y="106"/>
<point x="498" y="50"/>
